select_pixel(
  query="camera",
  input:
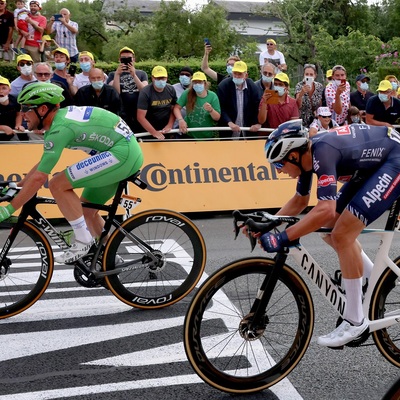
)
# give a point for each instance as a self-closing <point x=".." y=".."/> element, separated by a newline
<point x="57" y="17"/>
<point x="126" y="60"/>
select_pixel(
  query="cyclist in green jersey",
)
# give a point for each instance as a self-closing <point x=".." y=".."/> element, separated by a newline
<point x="114" y="154"/>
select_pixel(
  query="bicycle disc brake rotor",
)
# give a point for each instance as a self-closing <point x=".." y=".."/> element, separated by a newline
<point x="158" y="264"/>
<point x="5" y="268"/>
<point x="249" y="330"/>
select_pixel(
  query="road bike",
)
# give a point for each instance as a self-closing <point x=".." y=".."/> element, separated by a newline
<point x="250" y="323"/>
<point x="150" y="260"/>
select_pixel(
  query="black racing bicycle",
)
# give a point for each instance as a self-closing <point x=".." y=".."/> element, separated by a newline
<point x="150" y="260"/>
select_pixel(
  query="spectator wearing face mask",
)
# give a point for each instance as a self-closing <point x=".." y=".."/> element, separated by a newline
<point x="202" y="108"/>
<point x="383" y="109"/>
<point x="156" y="103"/>
<point x="267" y="78"/>
<point x="360" y="97"/>
<point x="214" y="75"/>
<point x="25" y="67"/>
<point x="185" y="77"/>
<point x="98" y="93"/>
<point x="273" y="113"/>
<point x="354" y="116"/>
<point x="86" y="63"/>
<point x="394" y="81"/>
<point x="61" y="73"/>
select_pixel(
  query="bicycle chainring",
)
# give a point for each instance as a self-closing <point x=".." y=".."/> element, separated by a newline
<point x="83" y="278"/>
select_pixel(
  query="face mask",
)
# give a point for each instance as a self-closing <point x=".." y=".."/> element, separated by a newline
<point x="364" y="86"/>
<point x="198" y="87"/>
<point x="160" y="84"/>
<point x="26" y="70"/>
<point x="356" y="120"/>
<point x="238" y="81"/>
<point x="229" y="69"/>
<point x="85" y="66"/>
<point x="394" y="85"/>
<point x="267" y="78"/>
<point x="3" y="99"/>
<point x="97" y="85"/>
<point x="338" y="82"/>
<point x="184" y="80"/>
<point x="60" y="66"/>
<point x="280" y="90"/>
<point x="383" y="97"/>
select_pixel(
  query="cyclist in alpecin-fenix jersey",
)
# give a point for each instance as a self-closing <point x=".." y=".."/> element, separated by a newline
<point x="114" y="155"/>
<point x="367" y="160"/>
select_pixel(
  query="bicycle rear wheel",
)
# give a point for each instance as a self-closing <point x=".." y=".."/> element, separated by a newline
<point x="179" y="250"/>
<point x="219" y="344"/>
<point x="385" y="300"/>
<point x="25" y="272"/>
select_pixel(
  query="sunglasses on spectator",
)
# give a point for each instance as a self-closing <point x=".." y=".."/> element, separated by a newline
<point x="42" y="73"/>
<point x="270" y="44"/>
<point x="268" y="73"/>
<point x="325" y="116"/>
<point x="23" y="63"/>
<point x="310" y="66"/>
<point x="184" y="74"/>
<point x="25" y="108"/>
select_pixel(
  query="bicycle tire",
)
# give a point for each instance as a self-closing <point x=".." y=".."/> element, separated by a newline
<point x="177" y="243"/>
<point x="27" y="273"/>
<point x="215" y="327"/>
<point x="385" y="299"/>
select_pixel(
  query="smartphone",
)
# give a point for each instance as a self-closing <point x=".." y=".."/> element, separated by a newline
<point x="126" y="60"/>
<point x="57" y="17"/>
<point x="274" y="99"/>
<point x="308" y="80"/>
<point x="207" y="42"/>
<point x="72" y="70"/>
<point x="343" y="81"/>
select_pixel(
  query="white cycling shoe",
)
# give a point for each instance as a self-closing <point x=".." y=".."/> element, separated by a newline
<point x="343" y="334"/>
<point x="74" y="253"/>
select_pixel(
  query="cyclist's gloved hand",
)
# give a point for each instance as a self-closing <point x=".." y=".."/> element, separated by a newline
<point x="272" y="243"/>
<point x="6" y="212"/>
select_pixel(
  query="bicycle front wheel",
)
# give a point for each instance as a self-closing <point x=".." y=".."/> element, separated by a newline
<point x="25" y="272"/>
<point x="163" y="273"/>
<point x="221" y="345"/>
<point x="386" y="300"/>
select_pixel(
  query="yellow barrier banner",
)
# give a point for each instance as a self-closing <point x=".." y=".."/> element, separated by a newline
<point x="184" y="176"/>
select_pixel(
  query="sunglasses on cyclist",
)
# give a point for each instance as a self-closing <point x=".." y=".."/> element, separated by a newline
<point x="278" y="165"/>
<point x="25" y="108"/>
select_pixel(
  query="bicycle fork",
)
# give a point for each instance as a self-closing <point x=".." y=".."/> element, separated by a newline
<point x="253" y="325"/>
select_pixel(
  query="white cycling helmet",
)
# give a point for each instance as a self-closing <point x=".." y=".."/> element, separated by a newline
<point x="287" y="137"/>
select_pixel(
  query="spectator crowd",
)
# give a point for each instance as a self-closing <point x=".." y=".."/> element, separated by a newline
<point x="46" y="51"/>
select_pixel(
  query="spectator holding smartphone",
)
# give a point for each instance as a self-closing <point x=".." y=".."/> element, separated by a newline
<point x="337" y="95"/>
<point x="66" y="32"/>
<point x="128" y="82"/>
<point x="308" y="94"/>
<point x="62" y="73"/>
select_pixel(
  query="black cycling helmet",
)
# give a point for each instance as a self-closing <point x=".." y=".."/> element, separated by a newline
<point x="287" y="137"/>
<point x="41" y="93"/>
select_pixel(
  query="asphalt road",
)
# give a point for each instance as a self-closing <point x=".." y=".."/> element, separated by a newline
<point x="79" y="343"/>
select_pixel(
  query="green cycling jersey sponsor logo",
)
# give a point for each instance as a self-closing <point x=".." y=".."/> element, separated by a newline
<point x="48" y="145"/>
<point x="157" y="176"/>
<point x="81" y="138"/>
<point x="92" y="160"/>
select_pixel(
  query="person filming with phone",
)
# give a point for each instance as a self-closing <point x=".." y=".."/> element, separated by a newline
<point x="337" y="95"/>
<point x="128" y="82"/>
<point x="276" y="106"/>
<point x="66" y="32"/>
<point x="64" y="72"/>
<point x="308" y="94"/>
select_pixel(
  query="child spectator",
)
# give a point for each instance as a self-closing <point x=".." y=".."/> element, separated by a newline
<point x="46" y="48"/>
<point x="20" y="15"/>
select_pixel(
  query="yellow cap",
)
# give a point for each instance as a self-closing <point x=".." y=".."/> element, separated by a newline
<point x="127" y="50"/>
<point x="239" y="66"/>
<point x="24" y="57"/>
<point x="271" y="41"/>
<point x="4" y="81"/>
<point x="61" y="50"/>
<point x="86" y="53"/>
<point x="46" y="37"/>
<point x="159" y="72"/>
<point x="387" y="77"/>
<point x="199" y="76"/>
<point x="329" y="73"/>
<point x="281" y="76"/>
<point x="384" y="85"/>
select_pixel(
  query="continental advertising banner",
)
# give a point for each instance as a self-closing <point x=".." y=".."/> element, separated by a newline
<point x="183" y="176"/>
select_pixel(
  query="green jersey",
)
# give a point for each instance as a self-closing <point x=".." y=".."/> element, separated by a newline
<point x="91" y="129"/>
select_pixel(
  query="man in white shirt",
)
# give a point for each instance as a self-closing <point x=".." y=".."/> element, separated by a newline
<point x="273" y="56"/>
